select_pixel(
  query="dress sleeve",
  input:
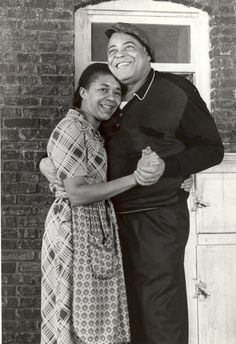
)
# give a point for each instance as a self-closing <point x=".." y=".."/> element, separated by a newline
<point x="67" y="149"/>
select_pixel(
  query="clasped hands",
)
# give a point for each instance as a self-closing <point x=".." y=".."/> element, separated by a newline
<point x="150" y="168"/>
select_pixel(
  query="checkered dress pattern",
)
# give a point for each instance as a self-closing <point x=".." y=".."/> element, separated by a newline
<point x="78" y="307"/>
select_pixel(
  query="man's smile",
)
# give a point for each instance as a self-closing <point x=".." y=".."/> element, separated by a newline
<point x="122" y="64"/>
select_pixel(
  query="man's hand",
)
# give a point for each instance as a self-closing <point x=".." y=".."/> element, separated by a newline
<point x="187" y="184"/>
<point x="150" y="168"/>
<point x="49" y="171"/>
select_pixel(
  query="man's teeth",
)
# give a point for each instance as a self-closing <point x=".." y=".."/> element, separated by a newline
<point x="122" y="64"/>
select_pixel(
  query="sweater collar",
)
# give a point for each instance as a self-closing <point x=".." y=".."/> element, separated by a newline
<point x="143" y="90"/>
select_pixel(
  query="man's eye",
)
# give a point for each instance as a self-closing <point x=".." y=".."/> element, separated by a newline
<point x="117" y="93"/>
<point x="129" y="47"/>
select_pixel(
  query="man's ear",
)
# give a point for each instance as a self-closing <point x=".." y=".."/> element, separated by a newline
<point x="146" y="52"/>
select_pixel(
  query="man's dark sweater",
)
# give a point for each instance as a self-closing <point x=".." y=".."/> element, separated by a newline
<point x="167" y="114"/>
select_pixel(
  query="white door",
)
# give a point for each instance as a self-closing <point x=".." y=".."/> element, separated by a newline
<point x="211" y="256"/>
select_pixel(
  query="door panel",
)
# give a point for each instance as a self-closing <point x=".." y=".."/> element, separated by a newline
<point x="216" y="311"/>
<point x="215" y="227"/>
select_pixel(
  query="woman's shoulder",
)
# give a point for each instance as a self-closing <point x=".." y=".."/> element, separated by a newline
<point x="72" y="122"/>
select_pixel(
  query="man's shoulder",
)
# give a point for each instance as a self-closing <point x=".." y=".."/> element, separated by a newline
<point x="179" y="81"/>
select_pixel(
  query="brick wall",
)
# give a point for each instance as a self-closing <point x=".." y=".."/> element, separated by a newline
<point x="36" y="81"/>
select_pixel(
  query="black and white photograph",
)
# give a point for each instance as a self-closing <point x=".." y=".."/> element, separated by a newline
<point x="118" y="171"/>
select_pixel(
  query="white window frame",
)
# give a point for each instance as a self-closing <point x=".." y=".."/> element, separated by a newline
<point x="149" y="12"/>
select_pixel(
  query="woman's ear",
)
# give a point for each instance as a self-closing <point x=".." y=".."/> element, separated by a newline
<point x="82" y="91"/>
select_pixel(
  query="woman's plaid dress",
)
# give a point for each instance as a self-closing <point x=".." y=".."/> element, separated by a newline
<point x="79" y="307"/>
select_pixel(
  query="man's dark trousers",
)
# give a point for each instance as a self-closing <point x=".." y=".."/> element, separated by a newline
<point x="153" y="245"/>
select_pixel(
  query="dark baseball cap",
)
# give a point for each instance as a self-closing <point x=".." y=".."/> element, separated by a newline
<point x="134" y="31"/>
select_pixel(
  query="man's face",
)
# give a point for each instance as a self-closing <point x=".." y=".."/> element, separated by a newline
<point x="128" y="59"/>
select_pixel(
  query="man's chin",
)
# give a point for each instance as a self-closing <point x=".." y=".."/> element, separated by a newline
<point x="122" y="76"/>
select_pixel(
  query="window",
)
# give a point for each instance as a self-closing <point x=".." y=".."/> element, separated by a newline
<point x="179" y="34"/>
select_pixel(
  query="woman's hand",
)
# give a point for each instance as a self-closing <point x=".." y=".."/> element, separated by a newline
<point x="49" y="171"/>
<point x="150" y="168"/>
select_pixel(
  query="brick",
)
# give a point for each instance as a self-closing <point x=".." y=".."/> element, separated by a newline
<point x="19" y="188"/>
<point x="27" y="314"/>
<point x="10" y="24"/>
<point x="8" y="244"/>
<point x="47" y="36"/>
<point x="28" y="290"/>
<point x="10" y="112"/>
<point x="29" y="267"/>
<point x="8" y="314"/>
<point x="10" y="302"/>
<point x="25" y="101"/>
<point x="9" y="278"/>
<point x="60" y="15"/>
<point x="8" y="338"/>
<point x="9" y="233"/>
<point x="10" y="326"/>
<point x="40" y="90"/>
<point x="20" y="210"/>
<point x="21" y="123"/>
<point x="22" y="79"/>
<point x="10" y="155"/>
<point x="35" y="134"/>
<point x="57" y="101"/>
<point x="46" y="68"/>
<point x="23" y="13"/>
<point x="18" y="255"/>
<point x="29" y="244"/>
<point x="42" y="4"/>
<point x="57" y="59"/>
<point x="9" y="221"/>
<point x="8" y="176"/>
<point x="26" y="233"/>
<point x="8" y="290"/>
<point x="27" y="58"/>
<point x="29" y="326"/>
<point x="40" y="112"/>
<point x="18" y="165"/>
<point x="10" y="3"/>
<point x="27" y="221"/>
<point x="8" y="267"/>
<point x="66" y="26"/>
<point x="27" y="338"/>
<point x="42" y="26"/>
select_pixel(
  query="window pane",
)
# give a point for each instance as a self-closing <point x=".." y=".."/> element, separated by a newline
<point x="171" y="42"/>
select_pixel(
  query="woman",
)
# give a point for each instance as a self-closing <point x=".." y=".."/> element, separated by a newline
<point x="81" y="258"/>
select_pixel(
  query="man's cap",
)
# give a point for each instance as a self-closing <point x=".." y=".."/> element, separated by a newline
<point x="134" y="31"/>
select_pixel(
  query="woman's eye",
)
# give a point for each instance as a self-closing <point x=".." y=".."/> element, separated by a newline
<point x="111" y="52"/>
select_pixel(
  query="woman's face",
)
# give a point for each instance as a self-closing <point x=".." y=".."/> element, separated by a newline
<point x="101" y="99"/>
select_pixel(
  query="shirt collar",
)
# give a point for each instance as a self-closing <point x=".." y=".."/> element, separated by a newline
<point x="143" y="90"/>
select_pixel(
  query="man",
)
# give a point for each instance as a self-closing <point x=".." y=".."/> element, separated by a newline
<point x="163" y="111"/>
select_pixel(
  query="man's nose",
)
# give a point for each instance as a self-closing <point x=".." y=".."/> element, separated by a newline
<point x="119" y="53"/>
